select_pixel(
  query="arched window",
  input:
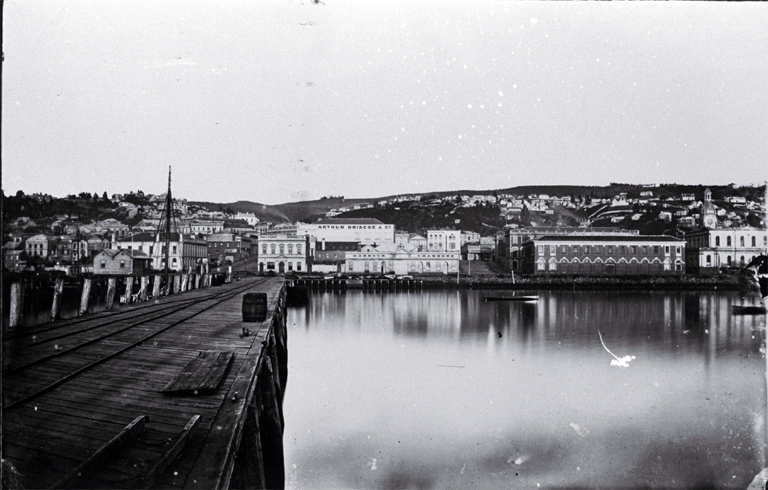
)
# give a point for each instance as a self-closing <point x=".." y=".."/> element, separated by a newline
<point x="728" y="241"/>
<point x="709" y="260"/>
<point x="741" y="241"/>
<point x="717" y="241"/>
<point x="754" y="241"/>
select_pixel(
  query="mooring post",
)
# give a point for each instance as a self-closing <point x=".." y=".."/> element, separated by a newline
<point x="144" y="287"/>
<point x="58" y="288"/>
<point x="17" y="303"/>
<point x="111" y="287"/>
<point x="128" y="289"/>
<point x="85" y="296"/>
<point x="176" y="283"/>
<point x="184" y="282"/>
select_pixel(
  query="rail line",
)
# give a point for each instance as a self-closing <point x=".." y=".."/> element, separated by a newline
<point x="197" y="305"/>
<point x="59" y="324"/>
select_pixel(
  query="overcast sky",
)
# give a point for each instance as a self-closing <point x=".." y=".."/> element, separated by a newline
<point x="285" y="100"/>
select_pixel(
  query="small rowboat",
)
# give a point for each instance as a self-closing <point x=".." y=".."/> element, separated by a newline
<point x="748" y="310"/>
<point x="510" y="298"/>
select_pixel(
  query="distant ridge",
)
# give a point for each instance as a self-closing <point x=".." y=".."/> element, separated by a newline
<point x="302" y="210"/>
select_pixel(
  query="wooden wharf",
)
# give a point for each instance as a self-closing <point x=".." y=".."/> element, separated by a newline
<point x="178" y="392"/>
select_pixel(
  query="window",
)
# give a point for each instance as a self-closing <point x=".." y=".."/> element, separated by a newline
<point x="645" y="249"/>
<point x="552" y="249"/>
<point x="677" y="250"/>
<point x="263" y="248"/>
<point x="717" y="241"/>
<point x="541" y="249"/>
<point x="598" y="249"/>
<point x="709" y="260"/>
<point x="622" y="249"/>
<point x="272" y="248"/>
<point x="174" y="249"/>
<point x="575" y="249"/>
<point x="633" y="249"/>
<point x="351" y="266"/>
<point x="103" y="264"/>
<point x="678" y="266"/>
<point x="742" y="261"/>
<point x="728" y="259"/>
<point x="754" y="241"/>
<point x="586" y="249"/>
<point x="540" y="266"/>
<point x="666" y="249"/>
<point x="290" y="248"/>
<point x="741" y="241"/>
<point x="298" y="249"/>
<point x="728" y="241"/>
<point x="122" y="263"/>
<point x="564" y="249"/>
<point x="610" y="249"/>
<point x="656" y="249"/>
<point x="298" y="266"/>
<point x="290" y="266"/>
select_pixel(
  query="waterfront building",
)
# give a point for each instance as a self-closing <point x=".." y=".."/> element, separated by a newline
<point x="712" y="250"/>
<point x="357" y="230"/>
<point x="469" y="237"/>
<point x="121" y="262"/>
<point x="284" y="253"/>
<point x="516" y="237"/>
<point x="389" y="258"/>
<point x="186" y="252"/>
<point x="331" y="256"/>
<point x="604" y="255"/>
<point x="228" y="247"/>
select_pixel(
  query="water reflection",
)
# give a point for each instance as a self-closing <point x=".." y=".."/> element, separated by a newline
<point x="444" y="390"/>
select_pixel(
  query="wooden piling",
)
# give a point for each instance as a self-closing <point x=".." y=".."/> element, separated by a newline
<point x="128" y="290"/>
<point x="111" y="287"/>
<point x="58" y="289"/>
<point x="143" y="288"/>
<point x="17" y="303"/>
<point x="184" y="282"/>
<point x="156" y="285"/>
<point x="85" y="296"/>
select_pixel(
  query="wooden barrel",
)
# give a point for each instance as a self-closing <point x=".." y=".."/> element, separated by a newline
<point x="254" y="307"/>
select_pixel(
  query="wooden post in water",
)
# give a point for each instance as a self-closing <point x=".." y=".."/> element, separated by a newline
<point x="85" y="296"/>
<point x="111" y="287"/>
<point x="128" y="289"/>
<point x="17" y="303"/>
<point x="58" y="288"/>
<point x="144" y="287"/>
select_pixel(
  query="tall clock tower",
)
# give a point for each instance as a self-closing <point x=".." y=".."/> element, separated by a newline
<point x="708" y="216"/>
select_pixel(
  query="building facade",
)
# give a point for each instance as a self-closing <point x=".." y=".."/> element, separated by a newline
<point x="185" y="252"/>
<point x="516" y="237"/>
<point x="121" y="263"/>
<point x="710" y="251"/>
<point x="444" y="240"/>
<point x="284" y="253"/>
<point x="331" y="256"/>
<point x="400" y="260"/>
<point x="365" y="231"/>
<point x="228" y="247"/>
<point x="604" y="255"/>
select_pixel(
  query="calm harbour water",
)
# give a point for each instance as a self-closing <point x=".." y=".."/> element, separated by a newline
<point x="440" y="389"/>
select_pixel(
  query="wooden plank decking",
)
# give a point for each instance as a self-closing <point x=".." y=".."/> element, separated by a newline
<point x="50" y="435"/>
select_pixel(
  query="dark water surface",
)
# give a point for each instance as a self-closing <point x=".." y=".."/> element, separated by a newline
<point x="443" y="390"/>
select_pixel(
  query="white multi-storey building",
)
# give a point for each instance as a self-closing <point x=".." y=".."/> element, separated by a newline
<point x="283" y="253"/>
<point x="710" y="250"/>
<point x="401" y="260"/>
<point x="444" y="240"/>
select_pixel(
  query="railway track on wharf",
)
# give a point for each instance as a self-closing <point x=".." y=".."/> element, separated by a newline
<point x="58" y="355"/>
<point x="74" y="389"/>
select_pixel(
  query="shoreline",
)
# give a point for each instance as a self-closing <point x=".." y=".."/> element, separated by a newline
<point x="723" y="282"/>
